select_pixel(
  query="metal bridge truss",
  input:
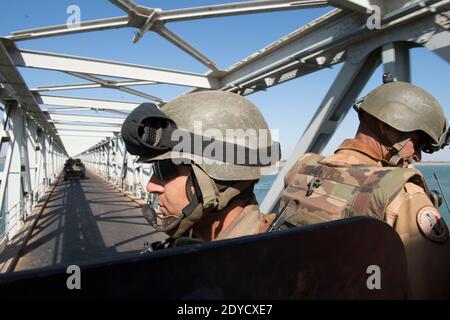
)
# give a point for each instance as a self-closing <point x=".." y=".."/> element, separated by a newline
<point x="342" y="35"/>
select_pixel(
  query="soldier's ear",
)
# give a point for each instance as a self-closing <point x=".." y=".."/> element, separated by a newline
<point x="387" y="130"/>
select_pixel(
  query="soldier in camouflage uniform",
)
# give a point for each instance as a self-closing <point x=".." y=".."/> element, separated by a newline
<point x="200" y="199"/>
<point x="368" y="176"/>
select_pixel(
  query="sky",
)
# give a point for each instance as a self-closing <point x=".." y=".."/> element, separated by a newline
<point x="287" y="108"/>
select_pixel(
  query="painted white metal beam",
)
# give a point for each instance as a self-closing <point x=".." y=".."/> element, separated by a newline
<point x="86" y="134"/>
<point x="141" y="94"/>
<point x="52" y="61"/>
<point x="82" y="118"/>
<point x="99" y="126"/>
<point x="439" y="43"/>
<point x="362" y="6"/>
<point x="110" y="84"/>
<point x="67" y="87"/>
<point x="91" y="128"/>
<point x="324" y="39"/>
<point x="18" y="87"/>
<point x="86" y="26"/>
<point x="105" y="113"/>
<point x="395" y="59"/>
<point x="85" y="103"/>
<point x="165" y="16"/>
<point x="126" y="5"/>
<point x="286" y="52"/>
<point x="11" y="186"/>
<point x="62" y="110"/>
<point x="237" y="9"/>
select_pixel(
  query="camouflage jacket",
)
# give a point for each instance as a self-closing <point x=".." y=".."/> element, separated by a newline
<point x="411" y="213"/>
<point x="249" y="221"/>
<point x="317" y="191"/>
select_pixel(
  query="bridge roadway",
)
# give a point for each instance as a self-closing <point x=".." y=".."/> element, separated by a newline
<point x="85" y="220"/>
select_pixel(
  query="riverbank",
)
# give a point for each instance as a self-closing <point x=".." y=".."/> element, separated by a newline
<point x="424" y="164"/>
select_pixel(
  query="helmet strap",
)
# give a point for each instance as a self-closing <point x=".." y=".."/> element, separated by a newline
<point x="394" y="153"/>
<point x="208" y="198"/>
<point x="394" y="158"/>
<point x="203" y="201"/>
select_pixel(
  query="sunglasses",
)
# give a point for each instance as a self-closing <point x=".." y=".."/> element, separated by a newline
<point x="419" y="140"/>
<point x="165" y="170"/>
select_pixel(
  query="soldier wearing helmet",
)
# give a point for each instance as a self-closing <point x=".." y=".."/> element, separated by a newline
<point x="207" y="150"/>
<point x="369" y="176"/>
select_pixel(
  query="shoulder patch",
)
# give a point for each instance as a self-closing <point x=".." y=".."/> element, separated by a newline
<point x="432" y="225"/>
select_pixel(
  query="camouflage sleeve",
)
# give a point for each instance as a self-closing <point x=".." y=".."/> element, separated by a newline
<point x="426" y="239"/>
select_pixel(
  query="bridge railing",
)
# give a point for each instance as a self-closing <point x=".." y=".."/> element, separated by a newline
<point x="113" y="163"/>
<point x="16" y="216"/>
<point x="33" y="160"/>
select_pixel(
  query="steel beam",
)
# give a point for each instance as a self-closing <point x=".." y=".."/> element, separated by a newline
<point x="141" y="94"/>
<point x="35" y="160"/>
<point x="112" y="84"/>
<point x="338" y="100"/>
<point x="11" y="186"/>
<point x="362" y="6"/>
<point x="439" y="43"/>
<point x="91" y="128"/>
<point x="321" y="42"/>
<point x="126" y="5"/>
<point x="52" y="61"/>
<point x="82" y="118"/>
<point x="395" y="59"/>
<point x="85" y="103"/>
<point x="43" y="165"/>
<point x="106" y="126"/>
<point x="50" y="110"/>
<point x="85" y="133"/>
<point x="287" y="54"/>
<point x="58" y="30"/>
<point x="165" y="16"/>
<point x="28" y="155"/>
<point x="237" y="9"/>
<point x="68" y="87"/>
<point x="18" y="89"/>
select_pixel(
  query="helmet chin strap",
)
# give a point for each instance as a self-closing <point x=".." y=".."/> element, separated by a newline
<point x="207" y="197"/>
<point x="394" y="158"/>
<point x="394" y="153"/>
<point x="169" y="223"/>
<point x="160" y="222"/>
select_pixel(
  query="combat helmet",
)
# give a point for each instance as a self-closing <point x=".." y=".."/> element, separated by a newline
<point x="221" y="135"/>
<point x="407" y="108"/>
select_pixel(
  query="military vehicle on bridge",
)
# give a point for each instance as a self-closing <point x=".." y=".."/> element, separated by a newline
<point x="74" y="168"/>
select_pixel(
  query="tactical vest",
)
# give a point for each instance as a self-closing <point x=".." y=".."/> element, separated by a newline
<point x="319" y="192"/>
